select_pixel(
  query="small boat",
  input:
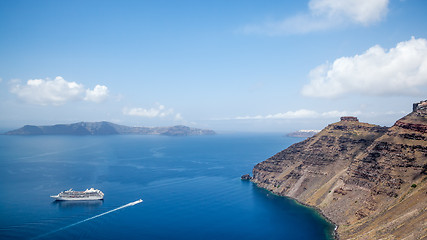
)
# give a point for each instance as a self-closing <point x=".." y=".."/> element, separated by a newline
<point x="88" y="194"/>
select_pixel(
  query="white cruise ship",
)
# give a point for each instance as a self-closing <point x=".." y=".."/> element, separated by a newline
<point x="88" y="194"/>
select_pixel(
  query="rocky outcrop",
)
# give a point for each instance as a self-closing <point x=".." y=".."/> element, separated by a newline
<point x="246" y="177"/>
<point x="107" y="128"/>
<point x="412" y="126"/>
<point x="371" y="181"/>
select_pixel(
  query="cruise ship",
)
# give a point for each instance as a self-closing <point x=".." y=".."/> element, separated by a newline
<point x="88" y="194"/>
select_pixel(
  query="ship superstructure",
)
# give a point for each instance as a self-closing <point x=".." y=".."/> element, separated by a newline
<point x="88" y="194"/>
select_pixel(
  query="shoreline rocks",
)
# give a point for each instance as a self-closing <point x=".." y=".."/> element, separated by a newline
<point x="246" y="177"/>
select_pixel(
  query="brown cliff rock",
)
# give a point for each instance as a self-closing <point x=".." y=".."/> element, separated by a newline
<point x="369" y="180"/>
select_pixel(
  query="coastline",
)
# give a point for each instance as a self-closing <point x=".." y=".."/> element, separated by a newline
<point x="335" y="235"/>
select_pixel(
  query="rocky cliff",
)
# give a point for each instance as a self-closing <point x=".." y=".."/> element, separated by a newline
<point x="371" y="181"/>
<point x="106" y="128"/>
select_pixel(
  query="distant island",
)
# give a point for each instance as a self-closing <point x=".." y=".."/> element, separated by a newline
<point x="303" y="133"/>
<point x="371" y="181"/>
<point x="107" y="128"/>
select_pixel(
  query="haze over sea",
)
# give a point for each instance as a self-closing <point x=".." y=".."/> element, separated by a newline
<point x="191" y="189"/>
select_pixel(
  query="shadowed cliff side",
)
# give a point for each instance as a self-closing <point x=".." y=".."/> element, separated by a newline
<point x="369" y="180"/>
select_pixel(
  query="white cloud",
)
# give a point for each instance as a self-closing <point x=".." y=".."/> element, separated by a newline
<point x="178" y="117"/>
<point x="303" y="113"/>
<point x="158" y="111"/>
<point x="357" y="11"/>
<point x="325" y="14"/>
<point x="401" y="112"/>
<point x="335" y="114"/>
<point x="45" y="92"/>
<point x="98" y="94"/>
<point x="299" y="114"/>
<point x="55" y="92"/>
<point x="400" y="71"/>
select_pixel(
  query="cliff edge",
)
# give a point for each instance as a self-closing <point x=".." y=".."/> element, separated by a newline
<point x="371" y="181"/>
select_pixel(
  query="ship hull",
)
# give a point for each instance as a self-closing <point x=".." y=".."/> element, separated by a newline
<point x="58" y="198"/>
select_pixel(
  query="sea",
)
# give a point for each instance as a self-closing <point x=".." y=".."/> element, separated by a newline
<point x="190" y="187"/>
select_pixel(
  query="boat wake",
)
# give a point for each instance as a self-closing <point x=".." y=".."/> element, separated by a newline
<point x="88" y="219"/>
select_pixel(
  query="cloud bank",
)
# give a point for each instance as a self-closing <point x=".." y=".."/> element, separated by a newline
<point x="57" y="92"/>
<point x="323" y="15"/>
<point x="298" y="114"/>
<point x="159" y="111"/>
<point x="399" y="71"/>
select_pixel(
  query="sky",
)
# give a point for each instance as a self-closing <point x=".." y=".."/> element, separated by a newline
<point x="230" y="66"/>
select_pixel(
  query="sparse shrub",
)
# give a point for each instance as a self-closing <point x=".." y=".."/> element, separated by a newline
<point x="414" y="185"/>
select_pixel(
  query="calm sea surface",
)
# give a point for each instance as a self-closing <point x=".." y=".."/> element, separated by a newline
<point x="191" y="189"/>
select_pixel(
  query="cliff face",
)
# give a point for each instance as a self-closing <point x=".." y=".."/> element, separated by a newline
<point x="370" y="180"/>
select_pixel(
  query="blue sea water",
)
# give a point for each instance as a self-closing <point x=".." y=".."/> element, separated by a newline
<point x="191" y="189"/>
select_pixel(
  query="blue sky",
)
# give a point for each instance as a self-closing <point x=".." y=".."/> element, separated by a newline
<point x="273" y="66"/>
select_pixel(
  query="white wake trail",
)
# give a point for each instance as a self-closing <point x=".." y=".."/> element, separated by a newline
<point x="88" y="219"/>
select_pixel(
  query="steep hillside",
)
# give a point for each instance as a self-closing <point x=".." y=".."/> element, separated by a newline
<point x="369" y="180"/>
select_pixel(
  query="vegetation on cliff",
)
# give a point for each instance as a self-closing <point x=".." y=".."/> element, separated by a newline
<point x="369" y="180"/>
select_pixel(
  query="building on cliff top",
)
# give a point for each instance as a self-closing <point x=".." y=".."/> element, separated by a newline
<point x="419" y="106"/>
<point x="349" y="118"/>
